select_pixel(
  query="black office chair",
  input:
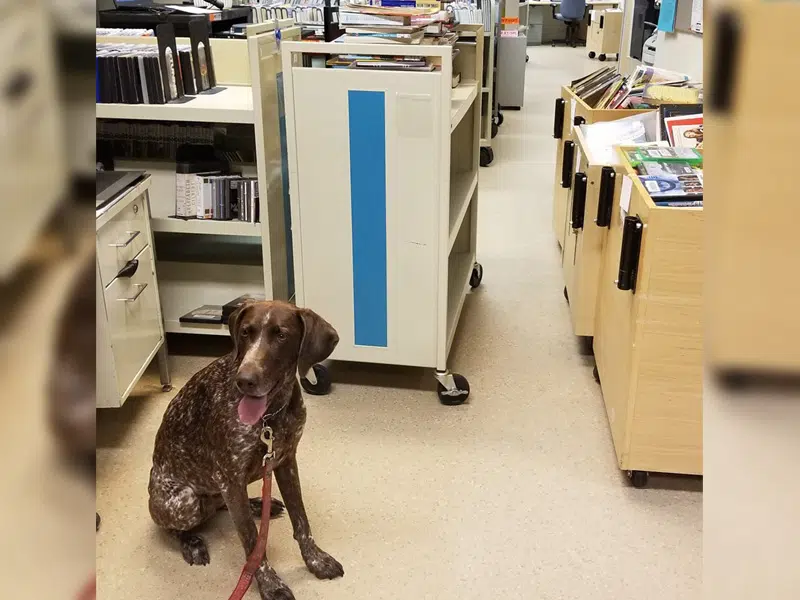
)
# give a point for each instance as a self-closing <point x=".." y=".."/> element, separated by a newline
<point x="572" y="13"/>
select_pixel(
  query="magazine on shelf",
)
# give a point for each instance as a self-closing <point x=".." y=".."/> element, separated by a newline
<point x="661" y="187"/>
<point x="685" y="131"/>
<point x="675" y="110"/>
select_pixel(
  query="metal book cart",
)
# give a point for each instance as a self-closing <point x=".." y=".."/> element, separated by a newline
<point x="383" y="172"/>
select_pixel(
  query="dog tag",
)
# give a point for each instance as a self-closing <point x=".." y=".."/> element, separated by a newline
<point x="267" y="439"/>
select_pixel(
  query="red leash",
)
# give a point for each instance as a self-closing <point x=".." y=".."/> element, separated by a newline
<point x="260" y="551"/>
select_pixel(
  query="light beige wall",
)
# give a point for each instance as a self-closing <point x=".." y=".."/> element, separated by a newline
<point x="681" y="50"/>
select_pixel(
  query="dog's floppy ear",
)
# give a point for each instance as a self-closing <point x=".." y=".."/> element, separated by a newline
<point x="235" y="318"/>
<point x="319" y="340"/>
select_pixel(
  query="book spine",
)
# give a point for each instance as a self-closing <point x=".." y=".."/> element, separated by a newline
<point x="205" y="210"/>
<point x="244" y="201"/>
<point x="182" y="183"/>
<point x="678" y="203"/>
<point x="194" y="196"/>
<point x="356" y="18"/>
<point x="255" y="216"/>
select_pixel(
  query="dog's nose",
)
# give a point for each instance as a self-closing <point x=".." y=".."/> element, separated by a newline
<point x="247" y="381"/>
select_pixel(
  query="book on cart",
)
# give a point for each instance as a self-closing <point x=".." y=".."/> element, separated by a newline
<point x="645" y="87"/>
<point x="228" y="309"/>
<point x="208" y="313"/>
<point x="637" y="156"/>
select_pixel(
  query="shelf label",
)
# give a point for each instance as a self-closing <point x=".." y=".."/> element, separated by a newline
<point x="510" y="20"/>
<point x="508" y="33"/>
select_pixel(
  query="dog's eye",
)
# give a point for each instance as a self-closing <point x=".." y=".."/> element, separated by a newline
<point x="280" y="334"/>
<point x="247" y="331"/>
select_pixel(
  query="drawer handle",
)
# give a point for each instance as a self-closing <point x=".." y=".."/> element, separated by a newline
<point x="142" y="287"/>
<point x="130" y="268"/>
<point x="558" y="118"/>
<point x="578" y="200"/>
<point x="567" y="164"/>
<point x="629" y="254"/>
<point x="725" y="58"/>
<point x="133" y="235"/>
<point x="605" y="201"/>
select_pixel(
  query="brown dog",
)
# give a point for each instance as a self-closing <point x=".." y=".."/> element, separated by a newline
<point x="208" y="447"/>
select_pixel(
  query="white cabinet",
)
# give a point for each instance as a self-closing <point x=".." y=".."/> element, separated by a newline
<point x="130" y="329"/>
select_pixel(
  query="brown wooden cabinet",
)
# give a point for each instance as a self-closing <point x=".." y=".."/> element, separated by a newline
<point x="595" y="190"/>
<point x="567" y="107"/>
<point x="648" y="339"/>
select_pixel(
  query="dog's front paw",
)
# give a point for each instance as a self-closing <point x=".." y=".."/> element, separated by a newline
<point x="280" y="594"/>
<point x="275" y="589"/>
<point x="322" y="564"/>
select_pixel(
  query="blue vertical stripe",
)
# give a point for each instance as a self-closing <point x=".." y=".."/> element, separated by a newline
<point x="367" y="122"/>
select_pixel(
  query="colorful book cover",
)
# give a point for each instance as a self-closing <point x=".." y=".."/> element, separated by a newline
<point x="669" y="186"/>
<point x="685" y="131"/>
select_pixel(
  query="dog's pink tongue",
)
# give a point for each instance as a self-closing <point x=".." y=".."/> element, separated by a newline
<point x="251" y="409"/>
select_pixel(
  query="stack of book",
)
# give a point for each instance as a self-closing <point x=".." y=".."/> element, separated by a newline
<point x="646" y="87"/>
<point x="218" y="315"/>
<point x="672" y="176"/>
<point x="130" y="74"/>
<point x="211" y="195"/>
<point x="153" y="74"/>
<point x="379" y="63"/>
<point x="391" y="22"/>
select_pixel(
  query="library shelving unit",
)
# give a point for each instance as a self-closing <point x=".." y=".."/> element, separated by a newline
<point x="489" y="122"/>
<point x="212" y="262"/>
<point x="648" y="341"/>
<point x="385" y="199"/>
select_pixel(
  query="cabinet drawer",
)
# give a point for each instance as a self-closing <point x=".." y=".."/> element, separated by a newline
<point x="122" y="238"/>
<point x="133" y="320"/>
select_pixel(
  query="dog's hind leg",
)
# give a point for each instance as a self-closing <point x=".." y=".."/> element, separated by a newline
<point x="179" y="510"/>
<point x="276" y="507"/>
<point x="193" y="547"/>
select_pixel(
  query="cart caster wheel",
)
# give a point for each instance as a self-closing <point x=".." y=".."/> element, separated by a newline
<point x="639" y="478"/>
<point x="487" y="156"/>
<point x="596" y="374"/>
<point x="602" y="57"/>
<point x="456" y="396"/>
<point x="167" y="387"/>
<point x="495" y="129"/>
<point x="477" y="276"/>
<point x="592" y="54"/>
<point x="499" y="119"/>
<point x="566" y="294"/>
<point x="323" y="385"/>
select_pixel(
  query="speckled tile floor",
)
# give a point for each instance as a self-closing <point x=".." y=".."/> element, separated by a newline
<point x="515" y="495"/>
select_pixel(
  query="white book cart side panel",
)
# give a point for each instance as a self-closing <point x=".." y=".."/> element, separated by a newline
<point x="273" y="171"/>
<point x="383" y="172"/>
<point x="369" y="236"/>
